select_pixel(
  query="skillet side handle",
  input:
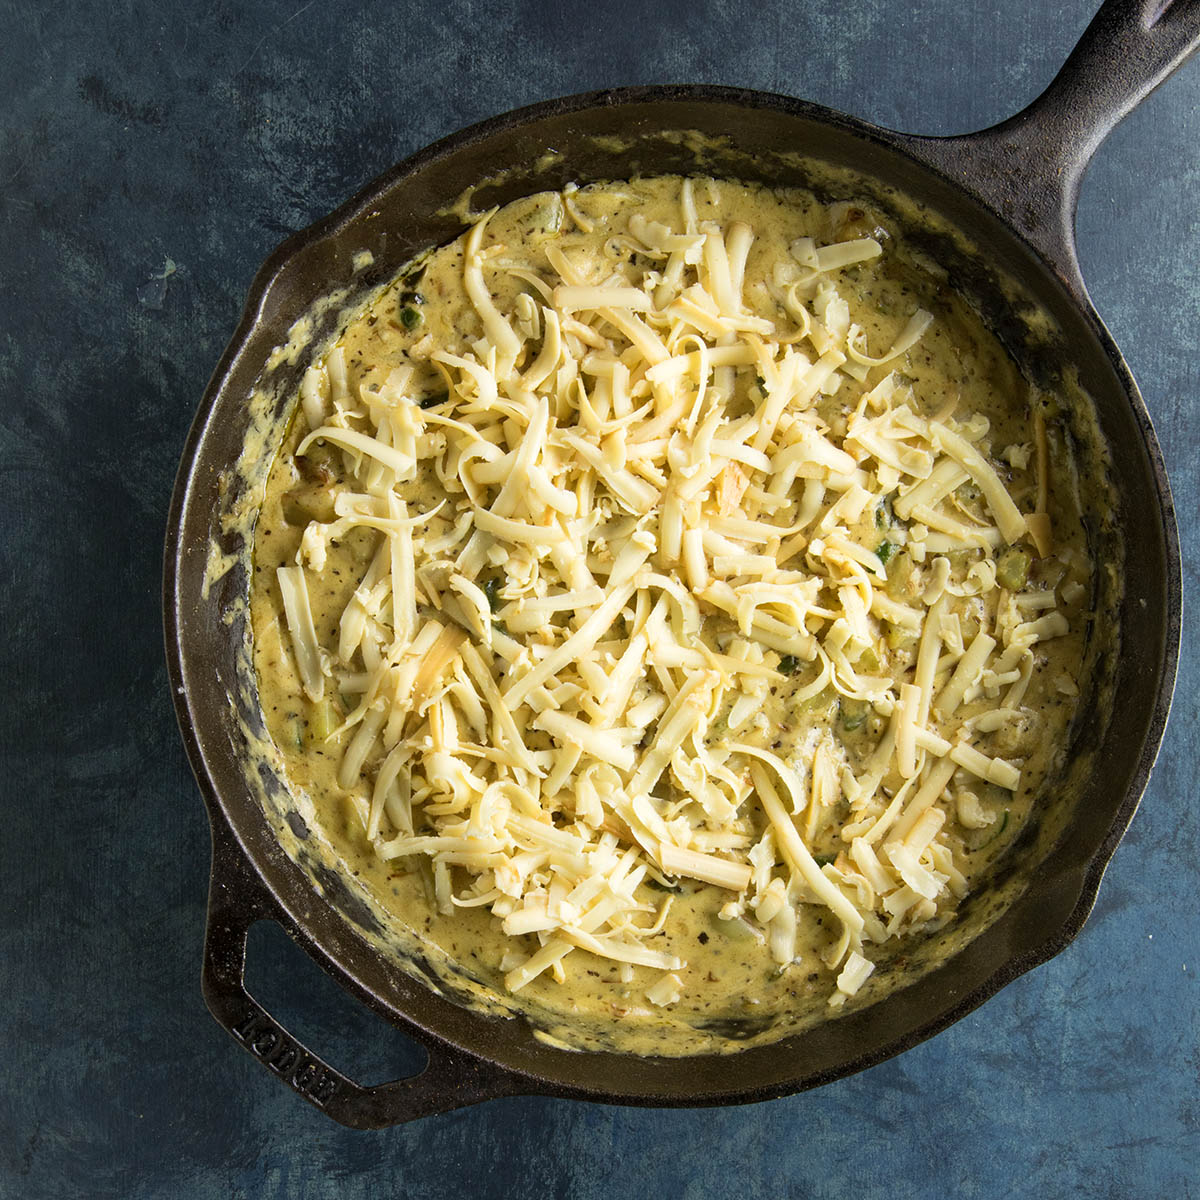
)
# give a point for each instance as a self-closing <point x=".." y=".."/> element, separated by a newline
<point x="236" y="902"/>
<point x="1029" y="167"/>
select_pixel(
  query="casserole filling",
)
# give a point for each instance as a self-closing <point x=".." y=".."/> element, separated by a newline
<point x="672" y="599"/>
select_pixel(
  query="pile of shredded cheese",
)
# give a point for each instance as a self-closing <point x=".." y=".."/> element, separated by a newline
<point x="558" y="673"/>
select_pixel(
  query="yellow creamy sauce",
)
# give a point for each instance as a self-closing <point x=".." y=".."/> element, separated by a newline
<point x="730" y="984"/>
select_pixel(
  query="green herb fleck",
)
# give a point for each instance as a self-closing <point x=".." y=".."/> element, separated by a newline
<point x="410" y="318"/>
<point x="789" y="664"/>
<point x="853" y="713"/>
<point x="884" y="551"/>
<point x="884" y="516"/>
<point x="661" y="885"/>
<point x="491" y="589"/>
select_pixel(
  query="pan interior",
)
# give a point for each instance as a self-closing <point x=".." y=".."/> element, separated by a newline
<point x="1031" y="909"/>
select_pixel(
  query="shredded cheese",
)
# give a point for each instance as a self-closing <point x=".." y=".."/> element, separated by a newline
<point x="646" y="525"/>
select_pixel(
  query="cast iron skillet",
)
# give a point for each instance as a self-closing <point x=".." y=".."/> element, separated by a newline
<point x="1012" y="189"/>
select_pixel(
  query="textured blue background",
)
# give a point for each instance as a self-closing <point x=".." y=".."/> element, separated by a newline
<point x="131" y="133"/>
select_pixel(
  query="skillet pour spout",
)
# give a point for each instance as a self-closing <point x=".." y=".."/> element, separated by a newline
<point x="996" y="210"/>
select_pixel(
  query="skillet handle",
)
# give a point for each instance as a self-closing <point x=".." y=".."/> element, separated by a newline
<point x="1029" y="167"/>
<point x="237" y="900"/>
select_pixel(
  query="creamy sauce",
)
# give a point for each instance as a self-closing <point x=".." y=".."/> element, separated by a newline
<point x="732" y="988"/>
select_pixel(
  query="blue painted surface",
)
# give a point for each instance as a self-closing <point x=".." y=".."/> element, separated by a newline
<point x="134" y="134"/>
